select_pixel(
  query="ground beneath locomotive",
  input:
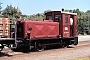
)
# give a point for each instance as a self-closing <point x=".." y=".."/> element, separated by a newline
<point x="82" y="50"/>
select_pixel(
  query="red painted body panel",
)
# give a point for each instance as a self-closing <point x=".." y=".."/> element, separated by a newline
<point x="75" y="26"/>
<point x="41" y="29"/>
<point x="66" y="31"/>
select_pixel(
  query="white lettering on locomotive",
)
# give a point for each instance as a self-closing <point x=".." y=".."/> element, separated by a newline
<point x="66" y="28"/>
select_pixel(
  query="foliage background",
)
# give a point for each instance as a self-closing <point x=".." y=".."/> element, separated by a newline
<point x="14" y="13"/>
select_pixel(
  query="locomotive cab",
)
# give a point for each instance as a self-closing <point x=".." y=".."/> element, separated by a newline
<point x="67" y="24"/>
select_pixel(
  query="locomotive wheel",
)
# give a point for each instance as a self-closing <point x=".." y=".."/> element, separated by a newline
<point x="21" y="48"/>
<point x="62" y="46"/>
<point x="40" y="48"/>
<point x="65" y="44"/>
<point x="1" y="47"/>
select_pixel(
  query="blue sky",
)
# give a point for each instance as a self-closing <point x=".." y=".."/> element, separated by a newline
<point x="38" y="6"/>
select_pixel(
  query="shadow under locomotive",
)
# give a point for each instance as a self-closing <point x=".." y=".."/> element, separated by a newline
<point x="2" y="54"/>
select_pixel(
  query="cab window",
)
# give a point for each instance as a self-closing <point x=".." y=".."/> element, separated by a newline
<point x="57" y="18"/>
<point x="49" y="17"/>
<point x="66" y="18"/>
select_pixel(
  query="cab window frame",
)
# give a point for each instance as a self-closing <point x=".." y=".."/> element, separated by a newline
<point x="49" y="17"/>
<point x="58" y="17"/>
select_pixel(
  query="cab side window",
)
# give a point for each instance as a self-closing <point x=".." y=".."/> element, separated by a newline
<point x="57" y="18"/>
<point x="49" y="17"/>
<point x="66" y="18"/>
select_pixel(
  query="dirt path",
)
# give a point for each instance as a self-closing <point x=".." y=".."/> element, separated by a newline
<point x="80" y="51"/>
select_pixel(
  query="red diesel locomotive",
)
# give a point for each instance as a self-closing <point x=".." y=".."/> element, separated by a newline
<point x="59" y="27"/>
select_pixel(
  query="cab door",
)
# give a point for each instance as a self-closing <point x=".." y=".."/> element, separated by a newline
<point x="71" y="25"/>
<point x="20" y="30"/>
<point x="66" y="25"/>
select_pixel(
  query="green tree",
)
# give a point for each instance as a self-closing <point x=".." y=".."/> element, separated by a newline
<point x="0" y="7"/>
<point x="47" y="11"/>
<point x="82" y="21"/>
<point x="24" y="17"/>
<point x="88" y="15"/>
<point x="68" y="10"/>
<point x="12" y="13"/>
<point x="38" y="16"/>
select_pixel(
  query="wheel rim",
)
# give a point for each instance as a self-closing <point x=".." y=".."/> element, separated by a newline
<point x="0" y="49"/>
<point x="40" y="49"/>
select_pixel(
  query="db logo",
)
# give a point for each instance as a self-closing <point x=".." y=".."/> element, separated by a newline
<point x="66" y="28"/>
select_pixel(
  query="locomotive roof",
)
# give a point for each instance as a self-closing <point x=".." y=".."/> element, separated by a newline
<point x="68" y="13"/>
<point x="63" y="12"/>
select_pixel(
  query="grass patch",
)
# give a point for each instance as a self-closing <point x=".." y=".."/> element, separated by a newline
<point x="82" y="58"/>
